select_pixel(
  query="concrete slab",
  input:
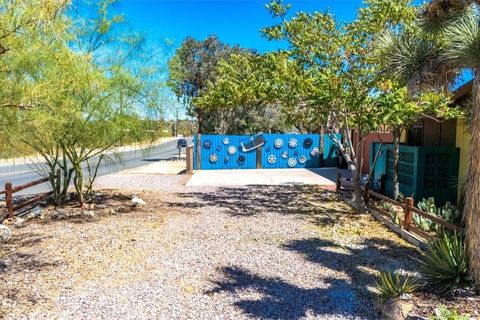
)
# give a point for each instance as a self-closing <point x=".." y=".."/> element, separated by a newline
<point x="216" y="178"/>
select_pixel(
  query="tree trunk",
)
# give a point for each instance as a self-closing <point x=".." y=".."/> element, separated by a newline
<point x="357" y="175"/>
<point x="472" y="186"/>
<point x="396" y="157"/>
<point x="338" y="143"/>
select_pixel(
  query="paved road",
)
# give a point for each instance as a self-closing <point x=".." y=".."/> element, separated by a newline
<point x="22" y="173"/>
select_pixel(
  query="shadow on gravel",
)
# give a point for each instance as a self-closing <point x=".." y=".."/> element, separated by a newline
<point x="348" y="296"/>
<point x="285" y="301"/>
<point x="249" y="201"/>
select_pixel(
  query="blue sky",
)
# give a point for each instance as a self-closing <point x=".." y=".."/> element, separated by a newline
<point x="233" y="21"/>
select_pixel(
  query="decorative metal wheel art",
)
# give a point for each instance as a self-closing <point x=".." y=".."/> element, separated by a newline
<point x="226" y="141"/>
<point x="292" y="142"/>
<point x="271" y="159"/>
<point x="207" y="144"/>
<point x="219" y="148"/>
<point x="307" y="143"/>
<point x="278" y="143"/>
<point x="285" y="155"/>
<point x="213" y="158"/>
<point x="226" y="159"/>
<point x="296" y="153"/>
<point x="302" y="160"/>
<point x="232" y="150"/>
<point x="292" y="162"/>
<point x="314" y="152"/>
<point x="241" y="160"/>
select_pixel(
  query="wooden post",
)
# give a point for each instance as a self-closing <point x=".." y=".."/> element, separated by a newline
<point x="198" y="150"/>
<point x="408" y="213"/>
<point x="189" y="159"/>
<point x="366" y="194"/>
<point x="339" y="182"/>
<point x="9" y="199"/>
<point x="259" y="158"/>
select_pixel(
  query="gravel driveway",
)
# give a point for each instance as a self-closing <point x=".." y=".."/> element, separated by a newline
<point x="276" y="252"/>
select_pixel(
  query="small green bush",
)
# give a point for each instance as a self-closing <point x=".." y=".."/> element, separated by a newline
<point x="393" y="285"/>
<point x="443" y="313"/>
<point x="445" y="263"/>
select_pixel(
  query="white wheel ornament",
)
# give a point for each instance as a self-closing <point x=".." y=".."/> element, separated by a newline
<point x="232" y="150"/>
<point x="285" y="155"/>
<point x="302" y="160"/>
<point x="314" y="152"/>
<point x="293" y="142"/>
<point x="226" y="141"/>
<point x="272" y="159"/>
<point x="213" y="158"/>
<point x="292" y="162"/>
<point x="278" y="143"/>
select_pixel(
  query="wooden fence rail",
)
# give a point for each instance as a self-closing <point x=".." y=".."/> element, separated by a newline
<point x="10" y="191"/>
<point x="409" y="210"/>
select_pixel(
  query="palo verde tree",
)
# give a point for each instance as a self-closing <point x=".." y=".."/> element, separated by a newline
<point x="101" y="90"/>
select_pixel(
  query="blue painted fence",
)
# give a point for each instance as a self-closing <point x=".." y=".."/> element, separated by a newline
<point x="278" y="151"/>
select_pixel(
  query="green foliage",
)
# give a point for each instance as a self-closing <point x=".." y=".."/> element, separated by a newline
<point x="443" y="313"/>
<point x="447" y="212"/>
<point x="444" y="263"/>
<point x="394" y="285"/>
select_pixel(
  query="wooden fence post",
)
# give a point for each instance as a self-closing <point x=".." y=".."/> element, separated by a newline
<point x="259" y="158"/>
<point x="198" y="147"/>
<point x="408" y="213"/>
<point x="9" y="199"/>
<point x="338" y="185"/>
<point x="189" y="159"/>
<point x="366" y="194"/>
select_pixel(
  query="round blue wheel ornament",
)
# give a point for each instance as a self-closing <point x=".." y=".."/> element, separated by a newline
<point x="207" y="144"/>
<point x="241" y="160"/>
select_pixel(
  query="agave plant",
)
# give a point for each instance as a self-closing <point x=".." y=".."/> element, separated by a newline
<point x="394" y="285"/>
<point x="445" y="263"/>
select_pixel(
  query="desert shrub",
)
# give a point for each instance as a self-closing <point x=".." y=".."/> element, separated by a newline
<point x="444" y="263"/>
<point x="393" y="285"/>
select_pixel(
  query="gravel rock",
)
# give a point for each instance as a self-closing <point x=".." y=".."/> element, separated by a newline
<point x="5" y="234"/>
<point x="137" y="202"/>
<point x="89" y="214"/>
<point x="19" y="222"/>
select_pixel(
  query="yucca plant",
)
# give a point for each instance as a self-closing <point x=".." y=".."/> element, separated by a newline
<point x="394" y="285"/>
<point x="445" y="263"/>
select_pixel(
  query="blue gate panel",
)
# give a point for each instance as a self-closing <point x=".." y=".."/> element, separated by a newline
<point x="225" y="152"/>
<point x="291" y="151"/>
<point x="278" y="151"/>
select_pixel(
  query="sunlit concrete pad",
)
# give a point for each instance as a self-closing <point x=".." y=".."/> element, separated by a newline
<point x="323" y="176"/>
